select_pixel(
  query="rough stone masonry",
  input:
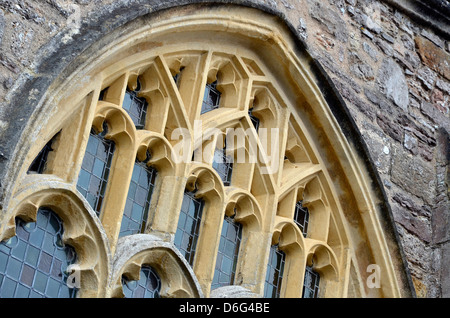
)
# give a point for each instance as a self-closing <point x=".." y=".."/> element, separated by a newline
<point x="391" y="67"/>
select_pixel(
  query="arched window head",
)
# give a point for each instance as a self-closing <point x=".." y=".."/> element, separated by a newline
<point x="253" y="66"/>
<point x="148" y="285"/>
<point x="34" y="262"/>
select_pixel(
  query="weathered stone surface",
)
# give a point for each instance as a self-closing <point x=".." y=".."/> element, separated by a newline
<point x="392" y="82"/>
<point x="391" y="129"/>
<point x="379" y="148"/>
<point x="370" y="51"/>
<point x="445" y="273"/>
<point x="413" y="175"/>
<point x="359" y="68"/>
<point x="415" y="207"/>
<point x="302" y="29"/>
<point x="437" y="115"/>
<point x="417" y="252"/>
<point x="330" y="19"/>
<point x="2" y="26"/>
<point x="433" y="56"/>
<point x="233" y="292"/>
<point x="427" y="76"/>
<point x="354" y="99"/>
<point x="416" y="225"/>
<point x="410" y="143"/>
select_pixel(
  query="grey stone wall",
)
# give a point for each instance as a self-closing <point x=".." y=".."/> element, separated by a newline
<point x="391" y="68"/>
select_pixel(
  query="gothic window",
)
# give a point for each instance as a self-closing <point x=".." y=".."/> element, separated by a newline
<point x="34" y="263"/>
<point x="135" y="102"/>
<point x="211" y="97"/>
<point x="228" y="253"/>
<point x="223" y="165"/>
<point x="188" y="227"/>
<point x="138" y="199"/>
<point x="301" y="217"/>
<point x="95" y="168"/>
<point x="135" y="106"/>
<point x="311" y="283"/>
<point x="148" y="285"/>
<point x="274" y="273"/>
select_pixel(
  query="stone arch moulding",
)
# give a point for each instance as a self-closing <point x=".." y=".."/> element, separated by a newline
<point x="132" y="44"/>
<point x="134" y="251"/>
<point x="83" y="231"/>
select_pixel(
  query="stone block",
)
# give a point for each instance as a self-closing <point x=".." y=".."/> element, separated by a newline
<point x="418" y="226"/>
<point x="445" y="274"/>
<point x="427" y="77"/>
<point x="433" y="56"/>
<point x="435" y="113"/>
<point x="392" y="83"/>
<point x="391" y="129"/>
<point x="414" y="175"/>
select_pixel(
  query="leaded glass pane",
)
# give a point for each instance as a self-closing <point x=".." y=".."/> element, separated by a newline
<point x="34" y="262"/>
<point x="188" y="226"/>
<point x="274" y="273"/>
<point x="95" y="168"/>
<point x="301" y="217"/>
<point x="311" y="283"/>
<point x="211" y="98"/>
<point x="138" y="200"/>
<point x="227" y="256"/>
<point x="135" y="106"/>
<point x="148" y="285"/>
<point x="223" y="165"/>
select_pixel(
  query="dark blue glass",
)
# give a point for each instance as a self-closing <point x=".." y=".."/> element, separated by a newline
<point x="274" y="273"/>
<point x="135" y="106"/>
<point x="138" y="200"/>
<point x="211" y="98"/>
<point x="301" y="217"/>
<point x="188" y="227"/>
<point x="227" y="256"/>
<point x="95" y="169"/>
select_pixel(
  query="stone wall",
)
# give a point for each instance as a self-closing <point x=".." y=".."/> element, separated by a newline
<point x="392" y="70"/>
